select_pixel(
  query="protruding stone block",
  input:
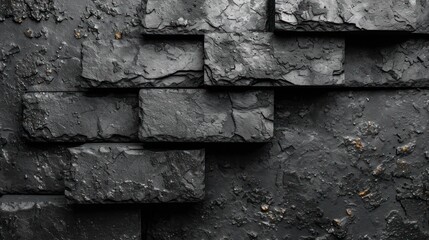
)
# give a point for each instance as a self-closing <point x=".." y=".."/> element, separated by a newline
<point x="385" y="62"/>
<point x="347" y="15"/>
<point x="263" y="59"/>
<point x="41" y="217"/>
<point x="78" y="117"/>
<point x="199" y="115"/>
<point x="202" y="16"/>
<point x="142" y="63"/>
<point x="121" y="173"/>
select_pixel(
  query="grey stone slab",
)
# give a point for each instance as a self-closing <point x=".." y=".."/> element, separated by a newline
<point x="39" y="217"/>
<point x="202" y="16"/>
<point x="142" y="63"/>
<point x="199" y="115"/>
<point x="347" y="15"/>
<point x="79" y="117"/>
<point x="128" y="173"/>
<point x="387" y="62"/>
<point x="264" y="59"/>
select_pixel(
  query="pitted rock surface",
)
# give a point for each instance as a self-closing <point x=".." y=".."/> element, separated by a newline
<point x="109" y="173"/>
<point x="348" y="15"/>
<point x="142" y="63"/>
<point x="39" y="217"/>
<point x="199" y="115"/>
<point x="79" y="117"/>
<point x="263" y="59"/>
<point x="202" y="16"/>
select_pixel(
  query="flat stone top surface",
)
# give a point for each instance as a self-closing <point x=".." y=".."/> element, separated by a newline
<point x="347" y="15"/>
<point x="201" y="16"/>
<point x="265" y="59"/>
<point x="199" y="115"/>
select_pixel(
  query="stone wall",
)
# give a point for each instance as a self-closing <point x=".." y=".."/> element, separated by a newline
<point x="204" y="119"/>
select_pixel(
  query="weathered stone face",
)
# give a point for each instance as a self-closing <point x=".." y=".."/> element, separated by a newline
<point x="41" y="217"/>
<point x="202" y="16"/>
<point x="121" y="173"/>
<point x="198" y="115"/>
<point x="388" y="62"/>
<point x="347" y="15"/>
<point x="262" y="59"/>
<point x="142" y="63"/>
<point x="76" y="117"/>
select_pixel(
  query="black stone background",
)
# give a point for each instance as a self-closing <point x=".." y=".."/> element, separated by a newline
<point x="333" y="171"/>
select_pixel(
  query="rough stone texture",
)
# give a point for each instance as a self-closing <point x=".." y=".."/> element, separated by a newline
<point x="199" y="115"/>
<point x="45" y="55"/>
<point x="331" y="172"/>
<point x="19" y="10"/>
<point x="79" y="117"/>
<point x="262" y="59"/>
<point x="387" y="62"/>
<point x="348" y="15"/>
<point x="48" y="217"/>
<point x="30" y="168"/>
<point x="116" y="173"/>
<point x="202" y="16"/>
<point x="142" y="63"/>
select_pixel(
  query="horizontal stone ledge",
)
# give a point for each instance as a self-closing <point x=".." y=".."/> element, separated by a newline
<point x="399" y="62"/>
<point x="128" y="173"/>
<point x="49" y="217"/>
<point x="264" y="59"/>
<point x="79" y="117"/>
<point x="200" y="115"/>
<point x="203" y="16"/>
<point x="350" y="15"/>
<point x="138" y="63"/>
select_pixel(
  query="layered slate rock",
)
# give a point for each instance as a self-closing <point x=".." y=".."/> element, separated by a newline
<point x="202" y="16"/>
<point x="388" y="62"/>
<point x="41" y="217"/>
<point x="79" y="117"/>
<point x="263" y="59"/>
<point x="142" y="63"/>
<point x="199" y="115"/>
<point x="119" y="173"/>
<point x="348" y="15"/>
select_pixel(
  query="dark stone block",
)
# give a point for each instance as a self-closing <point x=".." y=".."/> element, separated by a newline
<point x="263" y="59"/>
<point x="77" y="117"/>
<point x="202" y="16"/>
<point x="142" y="63"/>
<point x="198" y="115"/>
<point x="347" y="15"/>
<point x="121" y="173"/>
<point x="48" y="217"/>
<point x="383" y="62"/>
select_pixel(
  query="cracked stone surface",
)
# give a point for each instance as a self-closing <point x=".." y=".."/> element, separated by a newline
<point x="199" y="115"/>
<point x="142" y="63"/>
<point x="98" y="174"/>
<point x="202" y="16"/>
<point x="387" y="62"/>
<point x="79" y="117"/>
<point x="349" y="15"/>
<point x="263" y="59"/>
<point x="42" y="52"/>
<point x="41" y="217"/>
<point x="332" y="171"/>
